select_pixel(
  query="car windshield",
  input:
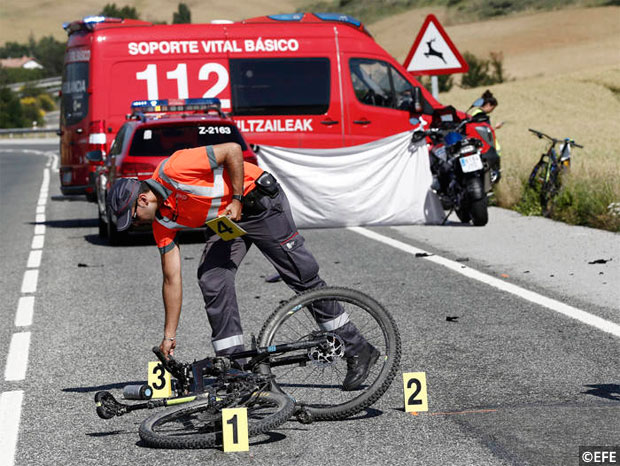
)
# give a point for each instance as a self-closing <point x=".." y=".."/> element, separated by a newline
<point x="164" y="140"/>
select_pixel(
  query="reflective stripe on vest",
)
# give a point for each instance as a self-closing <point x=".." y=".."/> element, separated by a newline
<point x="170" y="224"/>
<point x="215" y="191"/>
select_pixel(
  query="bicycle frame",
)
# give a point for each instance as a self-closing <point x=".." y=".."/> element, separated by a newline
<point x="190" y="377"/>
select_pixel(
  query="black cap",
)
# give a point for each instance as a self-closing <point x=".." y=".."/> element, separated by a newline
<point x="121" y="198"/>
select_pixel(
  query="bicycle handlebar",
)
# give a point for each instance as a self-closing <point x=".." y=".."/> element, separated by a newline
<point x="554" y="140"/>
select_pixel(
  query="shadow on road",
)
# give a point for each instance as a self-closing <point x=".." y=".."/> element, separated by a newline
<point x="76" y="198"/>
<point x="118" y="385"/>
<point x="146" y="239"/>
<point x="609" y="391"/>
<point x="271" y="437"/>
<point x="71" y="223"/>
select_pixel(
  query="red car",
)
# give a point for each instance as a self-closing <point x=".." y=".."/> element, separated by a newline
<point x="153" y="131"/>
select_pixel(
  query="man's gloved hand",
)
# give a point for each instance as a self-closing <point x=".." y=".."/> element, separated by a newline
<point x="167" y="346"/>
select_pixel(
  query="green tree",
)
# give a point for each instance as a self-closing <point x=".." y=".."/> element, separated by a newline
<point x="183" y="15"/>
<point x="126" y="12"/>
<point x="50" y="53"/>
<point x="14" y="50"/>
<point x="11" y="112"/>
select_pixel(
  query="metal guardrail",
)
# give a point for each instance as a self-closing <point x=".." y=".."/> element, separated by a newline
<point x="12" y="131"/>
<point x="49" y="84"/>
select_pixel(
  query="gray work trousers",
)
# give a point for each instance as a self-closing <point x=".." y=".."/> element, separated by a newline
<point x="274" y="232"/>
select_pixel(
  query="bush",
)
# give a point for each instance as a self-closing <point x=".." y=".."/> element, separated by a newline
<point x="483" y="72"/>
<point x="19" y="75"/>
<point x="444" y="82"/>
<point x="46" y="103"/>
<point x="579" y="202"/>
<point x="33" y="114"/>
<point x="183" y="15"/>
<point x="126" y="12"/>
<point x="11" y="112"/>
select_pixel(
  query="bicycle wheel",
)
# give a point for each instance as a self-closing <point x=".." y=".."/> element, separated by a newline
<point x="316" y="383"/>
<point x="535" y="178"/>
<point x="198" y="425"/>
<point x="548" y="191"/>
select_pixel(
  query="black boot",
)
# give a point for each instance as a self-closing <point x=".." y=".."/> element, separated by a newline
<point x="358" y="367"/>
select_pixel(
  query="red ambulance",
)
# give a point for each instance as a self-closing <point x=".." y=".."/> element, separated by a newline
<point x="313" y="80"/>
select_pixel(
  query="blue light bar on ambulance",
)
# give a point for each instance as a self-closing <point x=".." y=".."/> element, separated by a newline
<point x="338" y="17"/>
<point x="175" y="105"/>
<point x="93" y="19"/>
<point x="287" y="17"/>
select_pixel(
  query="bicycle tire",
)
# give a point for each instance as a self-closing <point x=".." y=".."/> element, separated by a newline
<point x="548" y="191"/>
<point x="321" y="399"/>
<point x="200" y="428"/>
<point x="534" y="180"/>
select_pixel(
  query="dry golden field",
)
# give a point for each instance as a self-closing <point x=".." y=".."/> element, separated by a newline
<point x="535" y="44"/>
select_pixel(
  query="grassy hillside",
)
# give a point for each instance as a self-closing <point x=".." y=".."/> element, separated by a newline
<point x="21" y="18"/>
<point x="534" y="44"/>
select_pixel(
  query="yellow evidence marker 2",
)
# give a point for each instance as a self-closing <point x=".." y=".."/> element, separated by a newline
<point x="414" y="386"/>
<point x="235" y="429"/>
<point x="225" y="228"/>
<point x="159" y="380"/>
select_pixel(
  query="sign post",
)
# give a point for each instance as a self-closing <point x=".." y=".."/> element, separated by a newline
<point x="433" y="53"/>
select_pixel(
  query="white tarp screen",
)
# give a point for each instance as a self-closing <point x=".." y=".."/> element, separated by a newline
<point x="385" y="182"/>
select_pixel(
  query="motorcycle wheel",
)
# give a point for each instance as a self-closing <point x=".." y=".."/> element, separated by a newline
<point x="463" y="214"/>
<point x="479" y="212"/>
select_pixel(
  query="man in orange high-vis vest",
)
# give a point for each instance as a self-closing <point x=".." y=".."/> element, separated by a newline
<point x="193" y="186"/>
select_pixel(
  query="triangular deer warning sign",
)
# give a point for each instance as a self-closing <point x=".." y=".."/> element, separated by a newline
<point x="433" y="52"/>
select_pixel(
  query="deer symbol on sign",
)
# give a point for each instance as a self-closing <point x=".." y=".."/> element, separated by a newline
<point x="432" y="51"/>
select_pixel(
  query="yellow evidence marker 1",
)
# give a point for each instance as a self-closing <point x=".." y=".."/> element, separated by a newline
<point x="416" y="398"/>
<point x="159" y="380"/>
<point x="235" y="429"/>
<point x="225" y="228"/>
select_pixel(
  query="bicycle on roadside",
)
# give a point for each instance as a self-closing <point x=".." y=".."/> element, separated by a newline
<point x="294" y="368"/>
<point x="546" y="176"/>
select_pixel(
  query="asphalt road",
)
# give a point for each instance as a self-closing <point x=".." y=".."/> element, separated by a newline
<point x="510" y="381"/>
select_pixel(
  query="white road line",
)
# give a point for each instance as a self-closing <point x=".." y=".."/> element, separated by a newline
<point x="39" y="218"/>
<point x="10" y="412"/>
<point x="34" y="259"/>
<point x="40" y="209"/>
<point x="39" y="229"/>
<point x="25" y="310"/>
<point x="29" y="284"/>
<point x="37" y="242"/>
<point x="565" y="309"/>
<point x="17" y="360"/>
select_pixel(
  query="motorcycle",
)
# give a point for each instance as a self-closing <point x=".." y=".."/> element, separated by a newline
<point x="462" y="174"/>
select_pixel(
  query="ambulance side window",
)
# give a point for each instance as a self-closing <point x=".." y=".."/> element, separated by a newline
<point x="377" y="83"/>
<point x="280" y="86"/>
